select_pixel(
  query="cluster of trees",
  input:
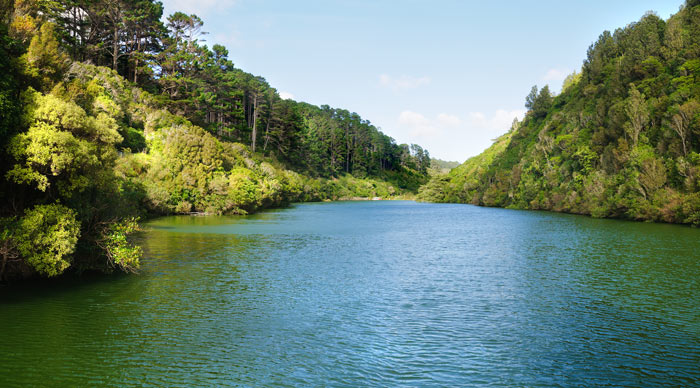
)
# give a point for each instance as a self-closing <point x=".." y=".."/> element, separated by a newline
<point x="108" y="114"/>
<point x="621" y="140"/>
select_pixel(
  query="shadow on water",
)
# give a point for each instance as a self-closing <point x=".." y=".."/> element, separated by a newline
<point x="26" y="290"/>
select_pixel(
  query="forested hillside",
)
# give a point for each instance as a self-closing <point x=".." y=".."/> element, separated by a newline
<point x="622" y="139"/>
<point x="108" y="114"/>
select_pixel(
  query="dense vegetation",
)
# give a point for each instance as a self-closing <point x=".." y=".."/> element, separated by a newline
<point x="622" y="139"/>
<point x="109" y="114"/>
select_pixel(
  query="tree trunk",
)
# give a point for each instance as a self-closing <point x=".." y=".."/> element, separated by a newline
<point x="267" y="128"/>
<point x="136" y="64"/>
<point x="2" y="267"/>
<point x="115" y="47"/>
<point x="347" y="148"/>
<point x="255" y="122"/>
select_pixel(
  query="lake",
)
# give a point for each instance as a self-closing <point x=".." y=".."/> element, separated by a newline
<point x="385" y="293"/>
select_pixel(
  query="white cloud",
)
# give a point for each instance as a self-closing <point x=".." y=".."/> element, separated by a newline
<point x="448" y="120"/>
<point x="500" y="121"/>
<point x="556" y="75"/>
<point x="477" y="117"/>
<point x="418" y="124"/>
<point x="199" y="7"/>
<point x="455" y="136"/>
<point x="286" y="96"/>
<point x="403" y="82"/>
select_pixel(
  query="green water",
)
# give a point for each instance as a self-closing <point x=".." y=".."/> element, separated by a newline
<point x="372" y="294"/>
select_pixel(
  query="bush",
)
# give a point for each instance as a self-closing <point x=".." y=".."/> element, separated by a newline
<point x="46" y="238"/>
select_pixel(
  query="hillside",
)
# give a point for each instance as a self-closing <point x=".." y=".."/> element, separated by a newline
<point x="622" y="140"/>
<point x="438" y="166"/>
<point x="109" y="115"/>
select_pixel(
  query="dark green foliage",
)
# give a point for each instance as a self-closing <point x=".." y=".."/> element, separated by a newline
<point x="9" y="86"/>
<point x="622" y="140"/>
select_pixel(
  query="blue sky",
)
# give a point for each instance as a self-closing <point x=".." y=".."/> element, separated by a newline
<point x="449" y="75"/>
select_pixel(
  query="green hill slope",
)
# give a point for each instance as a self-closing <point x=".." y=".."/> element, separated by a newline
<point x="621" y="140"/>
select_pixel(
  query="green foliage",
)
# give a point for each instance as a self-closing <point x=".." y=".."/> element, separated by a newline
<point x="10" y="86"/>
<point x="46" y="237"/>
<point x="120" y="252"/>
<point x="539" y="102"/>
<point x="47" y="63"/>
<point x="571" y="80"/>
<point x="620" y="141"/>
<point x="50" y="156"/>
<point x="63" y="146"/>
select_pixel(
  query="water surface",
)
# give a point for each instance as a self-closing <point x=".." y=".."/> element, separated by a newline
<point x="372" y="294"/>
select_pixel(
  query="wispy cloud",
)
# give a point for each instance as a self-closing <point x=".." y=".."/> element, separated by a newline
<point x="403" y="82"/>
<point x="456" y="136"/>
<point x="556" y="74"/>
<point x="286" y="96"/>
<point x="417" y="124"/>
<point x="448" y="120"/>
<point x="500" y="120"/>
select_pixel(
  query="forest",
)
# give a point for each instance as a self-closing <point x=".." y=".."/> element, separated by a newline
<point x="621" y="140"/>
<point x="110" y="113"/>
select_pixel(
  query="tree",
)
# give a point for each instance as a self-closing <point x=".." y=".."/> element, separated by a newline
<point x="570" y="80"/>
<point x="539" y="102"/>
<point x="47" y="62"/>
<point x="531" y="98"/>
<point x="681" y="121"/>
<point x="143" y="32"/>
<point x="63" y="147"/>
<point x="637" y="113"/>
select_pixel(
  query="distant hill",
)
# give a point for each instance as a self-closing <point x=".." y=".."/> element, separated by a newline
<point x="621" y="140"/>
<point x="442" y="166"/>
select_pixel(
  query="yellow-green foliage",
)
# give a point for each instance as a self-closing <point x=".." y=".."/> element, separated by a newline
<point x="119" y="250"/>
<point x="186" y="169"/>
<point x="47" y="62"/>
<point x="46" y="237"/>
<point x="459" y="185"/>
<point x="63" y="145"/>
<point x="66" y="156"/>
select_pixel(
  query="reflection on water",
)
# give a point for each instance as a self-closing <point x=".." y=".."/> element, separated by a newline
<point x="372" y="293"/>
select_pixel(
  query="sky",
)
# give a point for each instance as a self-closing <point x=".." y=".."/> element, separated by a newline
<point x="449" y="75"/>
